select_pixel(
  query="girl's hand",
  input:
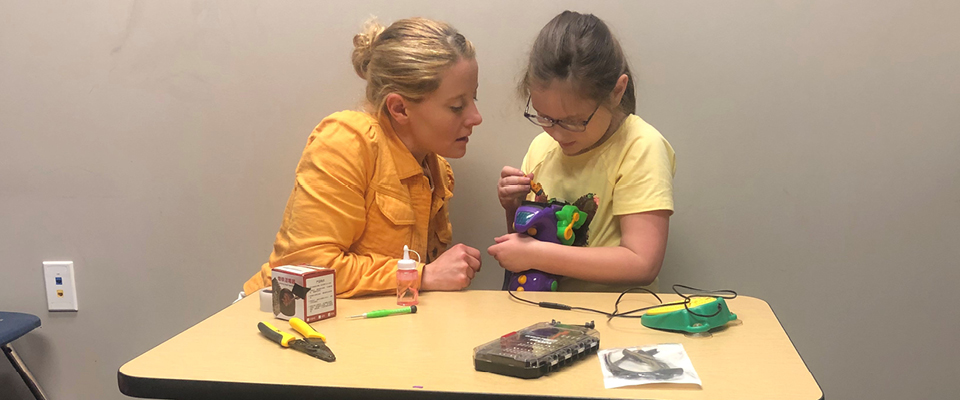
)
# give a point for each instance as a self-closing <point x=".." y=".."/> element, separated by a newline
<point x="516" y="252"/>
<point x="512" y="188"/>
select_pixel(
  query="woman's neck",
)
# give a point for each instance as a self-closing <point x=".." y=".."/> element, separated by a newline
<point x="406" y="137"/>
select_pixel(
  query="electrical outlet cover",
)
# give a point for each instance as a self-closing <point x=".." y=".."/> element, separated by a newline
<point x="58" y="278"/>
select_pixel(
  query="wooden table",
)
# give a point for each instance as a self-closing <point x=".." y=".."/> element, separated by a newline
<point x="429" y="354"/>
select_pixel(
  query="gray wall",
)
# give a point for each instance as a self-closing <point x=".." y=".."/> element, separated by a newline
<point x="154" y="143"/>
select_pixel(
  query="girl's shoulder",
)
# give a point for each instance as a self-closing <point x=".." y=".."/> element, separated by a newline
<point x="639" y="136"/>
<point x="636" y="129"/>
<point x="542" y="145"/>
<point x="645" y="148"/>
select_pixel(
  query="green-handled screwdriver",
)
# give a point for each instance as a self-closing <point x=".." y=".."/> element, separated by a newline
<point x="384" y="313"/>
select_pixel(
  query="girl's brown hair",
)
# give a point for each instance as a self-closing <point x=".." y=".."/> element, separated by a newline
<point x="580" y="48"/>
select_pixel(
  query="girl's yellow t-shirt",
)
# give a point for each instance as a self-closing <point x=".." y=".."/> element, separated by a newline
<point x="632" y="172"/>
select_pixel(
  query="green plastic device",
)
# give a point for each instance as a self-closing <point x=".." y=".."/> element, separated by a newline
<point x="677" y="318"/>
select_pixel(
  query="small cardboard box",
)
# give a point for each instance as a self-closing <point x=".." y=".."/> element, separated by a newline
<point x="304" y="292"/>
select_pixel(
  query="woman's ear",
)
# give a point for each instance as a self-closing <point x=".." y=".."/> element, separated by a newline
<point x="397" y="108"/>
<point x="619" y="89"/>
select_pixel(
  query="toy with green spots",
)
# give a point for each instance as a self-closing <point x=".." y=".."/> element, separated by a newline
<point x="550" y="222"/>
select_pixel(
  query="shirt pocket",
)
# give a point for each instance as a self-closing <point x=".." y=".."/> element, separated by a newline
<point x="389" y="226"/>
<point x="397" y="211"/>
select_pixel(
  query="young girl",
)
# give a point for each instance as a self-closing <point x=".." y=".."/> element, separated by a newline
<point x="596" y="154"/>
<point x="370" y="182"/>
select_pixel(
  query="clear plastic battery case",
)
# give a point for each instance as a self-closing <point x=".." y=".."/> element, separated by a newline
<point x="536" y="350"/>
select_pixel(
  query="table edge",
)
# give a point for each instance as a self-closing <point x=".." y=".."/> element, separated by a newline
<point x="805" y="365"/>
<point x="155" y="388"/>
<point x="158" y="388"/>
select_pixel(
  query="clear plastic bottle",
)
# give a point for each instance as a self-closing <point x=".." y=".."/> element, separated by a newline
<point x="408" y="281"/>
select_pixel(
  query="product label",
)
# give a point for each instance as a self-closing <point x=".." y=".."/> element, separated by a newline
<point x="321" y="296"/>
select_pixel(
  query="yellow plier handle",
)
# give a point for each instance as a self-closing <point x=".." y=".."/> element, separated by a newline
<point x="306" y="330"/>
<point x="275" y="334"/>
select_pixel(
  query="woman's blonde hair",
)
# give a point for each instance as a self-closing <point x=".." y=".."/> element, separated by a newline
<point x="406" y="58"/>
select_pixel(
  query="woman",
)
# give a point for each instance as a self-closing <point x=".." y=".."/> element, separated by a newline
<point x="370" y="182"/>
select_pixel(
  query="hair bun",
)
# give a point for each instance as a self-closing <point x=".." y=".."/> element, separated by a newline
<point x="363" y="46"/>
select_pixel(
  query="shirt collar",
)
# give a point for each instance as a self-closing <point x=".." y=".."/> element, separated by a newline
<point x="407" y="165"/>
<point x="439" y="174"/>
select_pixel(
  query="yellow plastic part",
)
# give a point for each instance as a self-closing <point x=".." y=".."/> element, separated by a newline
<point x="694" y="302"/>
<point x="520" y="289"/>
<point x="522" y="279"/>
<point x="285" y="342"/>
<point x="532" y="231"/>
<point x="568" y="232"/>
<point x="305" y="329"/>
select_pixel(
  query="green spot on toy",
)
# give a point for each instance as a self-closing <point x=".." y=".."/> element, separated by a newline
<point x="568" y="219"/>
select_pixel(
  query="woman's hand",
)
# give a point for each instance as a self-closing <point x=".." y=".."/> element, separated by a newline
<point x="516" y="252"/>
<point x="453" y="270"/>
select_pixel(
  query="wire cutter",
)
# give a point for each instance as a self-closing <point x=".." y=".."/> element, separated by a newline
<point x="313" y="343"/>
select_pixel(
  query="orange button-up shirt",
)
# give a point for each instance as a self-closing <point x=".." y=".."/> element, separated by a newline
<point x="359" y="197"/>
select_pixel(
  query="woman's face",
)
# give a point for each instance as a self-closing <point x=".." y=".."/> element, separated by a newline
<point x="560" y="101"/>
<point x="443" y="120"/>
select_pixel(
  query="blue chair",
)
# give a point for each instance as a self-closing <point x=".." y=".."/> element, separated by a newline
<point x="12" y="326"/>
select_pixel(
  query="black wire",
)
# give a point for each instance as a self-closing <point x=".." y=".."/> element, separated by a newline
<point x="556" y="306"/>
<point x="615" y="313"/>
<point x="523" y="300"/>
<point x="660" y="370"/>
<point x="703" y="293"/>
<point x="687" y="299"/>
<point x="616" y="306"/>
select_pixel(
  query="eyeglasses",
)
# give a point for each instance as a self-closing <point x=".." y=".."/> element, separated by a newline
<point x="547" y="122"/>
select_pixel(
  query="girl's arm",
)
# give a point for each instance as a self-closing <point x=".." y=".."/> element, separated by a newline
<point x="636" y="261"/>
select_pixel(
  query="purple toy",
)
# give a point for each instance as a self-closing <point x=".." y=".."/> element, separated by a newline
<point x="538" y="220"/>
